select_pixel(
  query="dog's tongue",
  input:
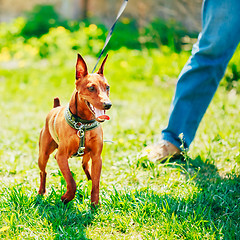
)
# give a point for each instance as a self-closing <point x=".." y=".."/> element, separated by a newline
<point x="100" y="114"/>
<point x="104" y="117"/>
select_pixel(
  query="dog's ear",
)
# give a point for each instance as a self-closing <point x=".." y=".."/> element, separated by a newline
<point x="81" y="67"/>
<point x="100" y="71"/>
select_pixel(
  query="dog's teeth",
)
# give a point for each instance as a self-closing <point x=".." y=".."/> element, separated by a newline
<point x="92" y="108"/>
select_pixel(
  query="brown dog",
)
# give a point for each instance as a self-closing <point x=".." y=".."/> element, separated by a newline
<point x="75" y="130"/>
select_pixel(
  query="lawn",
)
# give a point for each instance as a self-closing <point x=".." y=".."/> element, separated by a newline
<point x="195" y="197"/>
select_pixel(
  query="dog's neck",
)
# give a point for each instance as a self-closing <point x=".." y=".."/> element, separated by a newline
<point x="78" y="107"/>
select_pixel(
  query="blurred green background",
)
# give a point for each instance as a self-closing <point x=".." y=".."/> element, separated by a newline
<point x="45" y="36"/>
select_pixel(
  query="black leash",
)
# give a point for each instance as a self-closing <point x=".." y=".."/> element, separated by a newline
<point x="111" y="31"/>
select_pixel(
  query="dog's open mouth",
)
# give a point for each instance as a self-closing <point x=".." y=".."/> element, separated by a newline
<point x="99" y="114"/>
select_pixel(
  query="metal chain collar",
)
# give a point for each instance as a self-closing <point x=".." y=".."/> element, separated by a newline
<point x="81" y="126"/>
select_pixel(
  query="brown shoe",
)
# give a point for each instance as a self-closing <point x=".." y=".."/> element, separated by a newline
<point x="161" y="151"/>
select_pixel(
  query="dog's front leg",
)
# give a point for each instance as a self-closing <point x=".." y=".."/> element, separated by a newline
<point x="95" y="176"/>
<point x="62" y="161"/>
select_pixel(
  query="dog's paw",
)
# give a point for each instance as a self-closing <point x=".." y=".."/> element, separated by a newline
<point x="66" y="198"/>
<point x="41" y="191"/>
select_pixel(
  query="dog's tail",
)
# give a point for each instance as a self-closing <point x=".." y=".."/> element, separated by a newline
<point x="56" y="102"/>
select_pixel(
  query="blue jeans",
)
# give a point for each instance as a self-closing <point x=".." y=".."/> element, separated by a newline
<point x="201" y="75"/>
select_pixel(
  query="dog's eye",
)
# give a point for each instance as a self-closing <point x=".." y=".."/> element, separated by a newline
<point x="91" y="89"/>
<point x="107" y="88"/>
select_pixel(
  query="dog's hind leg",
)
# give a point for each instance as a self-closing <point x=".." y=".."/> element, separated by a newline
<point x="46" y="146"/>
<point x="85" y="165"/>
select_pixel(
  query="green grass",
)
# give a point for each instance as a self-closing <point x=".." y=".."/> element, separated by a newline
<point x="195" y="198"/>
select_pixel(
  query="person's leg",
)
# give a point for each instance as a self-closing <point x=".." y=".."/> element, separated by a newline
<point x="202" y="73"/>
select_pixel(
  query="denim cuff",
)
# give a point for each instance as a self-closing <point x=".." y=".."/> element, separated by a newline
<point x="177" y="141"/>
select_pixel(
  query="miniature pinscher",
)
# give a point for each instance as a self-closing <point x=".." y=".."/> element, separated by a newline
<point x="75" y="130"/>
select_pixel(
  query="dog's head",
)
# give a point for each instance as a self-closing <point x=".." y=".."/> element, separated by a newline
<point x="93" y="88"/>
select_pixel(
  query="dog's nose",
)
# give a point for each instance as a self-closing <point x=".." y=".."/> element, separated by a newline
<point x="107" y="105"/>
